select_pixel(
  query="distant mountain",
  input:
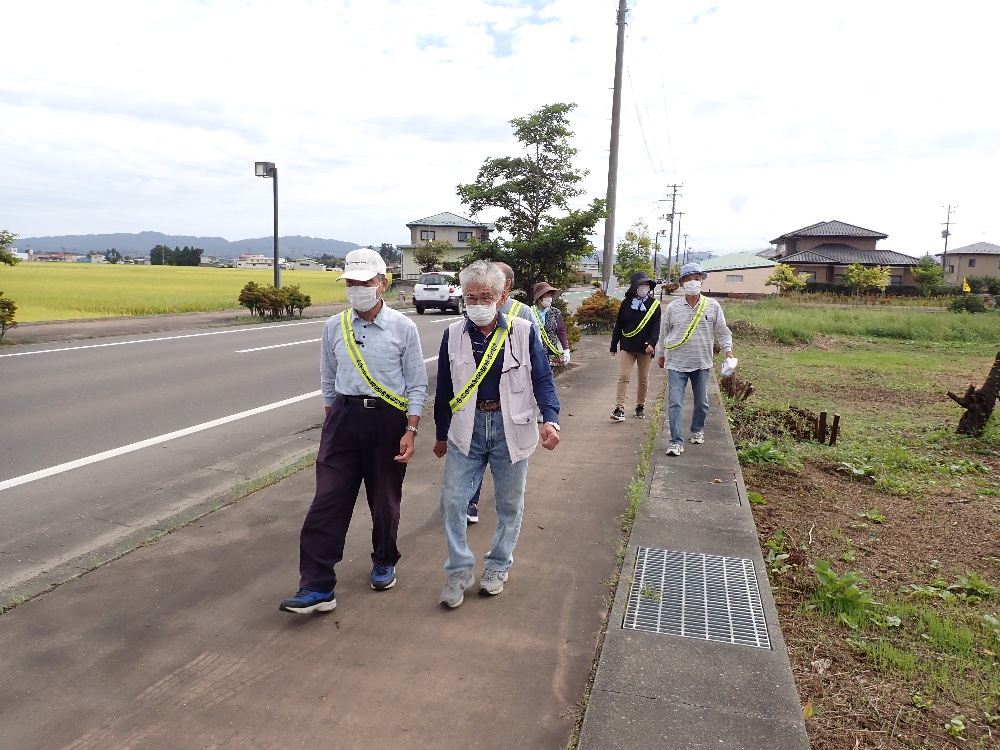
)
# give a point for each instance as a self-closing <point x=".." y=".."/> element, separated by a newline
<point x="143" y="242"/>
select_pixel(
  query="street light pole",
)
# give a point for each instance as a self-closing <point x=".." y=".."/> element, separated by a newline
<point x="267" y="169"/>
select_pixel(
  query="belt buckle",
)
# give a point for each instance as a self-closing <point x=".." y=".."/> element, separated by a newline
<point x="369" y="403"/>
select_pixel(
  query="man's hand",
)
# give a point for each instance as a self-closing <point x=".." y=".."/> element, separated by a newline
<point x="440" y="447"/>
<point x="649" y="349"/>
<point x="550" y="437"/>
<point x="406" y="449"/>
<point x="614" y="353"/>
<point x="660" y="362"/>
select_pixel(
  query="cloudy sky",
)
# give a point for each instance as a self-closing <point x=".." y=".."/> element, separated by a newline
<point x="132" y="115"/>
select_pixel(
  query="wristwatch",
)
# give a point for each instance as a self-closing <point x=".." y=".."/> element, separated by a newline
<point x="554" y="424"/>
<point x="411" y="428"/>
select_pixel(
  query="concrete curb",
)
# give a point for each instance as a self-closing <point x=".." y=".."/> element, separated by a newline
<point x="653" y="690"/>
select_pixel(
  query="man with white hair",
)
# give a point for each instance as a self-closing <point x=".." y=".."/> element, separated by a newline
<point x="374" y="384"/>
<point x="687" y="328"/>
<point x="492" y="376"/>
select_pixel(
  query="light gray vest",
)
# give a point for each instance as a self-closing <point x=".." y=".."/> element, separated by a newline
<point x="517" y="397"/>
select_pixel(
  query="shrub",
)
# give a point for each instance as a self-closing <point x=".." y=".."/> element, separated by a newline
<point x="597" y="313"/>
<point x="968" y="303"/>
<point x="270" y="301"/>
<point x="7" y="311"/>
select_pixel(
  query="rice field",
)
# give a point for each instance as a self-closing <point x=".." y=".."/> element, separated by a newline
<point x="70" y="291"/>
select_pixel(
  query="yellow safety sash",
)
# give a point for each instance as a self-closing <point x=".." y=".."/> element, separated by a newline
<point x="545" y="336"/>
<point x="698" y="313"/>
<point x="515" y="308"/>
<point x="347" y="329"/>
<point x="493" y="347"/>
<point x="649" y="314"/>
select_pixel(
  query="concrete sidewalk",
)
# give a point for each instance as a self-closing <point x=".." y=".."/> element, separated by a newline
<point x="180" y="644"/>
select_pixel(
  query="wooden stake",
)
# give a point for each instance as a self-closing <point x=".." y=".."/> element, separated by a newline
<point x="822" y="427"/>
<point x="835" y="429"/>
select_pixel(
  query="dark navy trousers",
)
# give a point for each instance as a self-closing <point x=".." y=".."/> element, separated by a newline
<point x="357" y="444"/>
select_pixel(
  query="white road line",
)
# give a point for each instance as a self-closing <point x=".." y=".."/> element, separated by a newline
<point x="429" y="359"/>
<point x="163" y="338"/>
<point x="276" y="346"/>
<point x="43" y="473"/>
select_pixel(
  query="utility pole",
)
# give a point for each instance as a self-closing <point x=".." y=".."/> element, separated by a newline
<point x="670" y="218"/>
<point x="685" y="248"/>
<point x="679" y="214"/>
<point x="616" y="107"/>
<point x="946" y="233"/>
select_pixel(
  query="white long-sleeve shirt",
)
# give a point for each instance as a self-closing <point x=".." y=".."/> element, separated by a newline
<point x="696" y="354"/>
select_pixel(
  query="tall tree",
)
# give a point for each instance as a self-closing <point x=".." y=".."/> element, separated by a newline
<point x="389" y="252"/>
<point x="113" y="256"/>
<point x="6" y="242"/>
<point x="632" y="253"/>
<point x="540" y="236"/>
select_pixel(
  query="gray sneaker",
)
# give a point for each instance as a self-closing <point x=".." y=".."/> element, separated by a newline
<point x="675" y="449"/>
<point x="492" y="581"/>
<point x="697" y="438"/>
<point x="458" y="583"/>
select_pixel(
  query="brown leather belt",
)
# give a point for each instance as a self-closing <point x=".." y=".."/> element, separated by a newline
<point x="487" y="405"/>
<point x="366" y="402"/>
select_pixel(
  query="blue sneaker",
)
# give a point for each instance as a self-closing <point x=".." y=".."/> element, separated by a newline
<point x="306" y="601"/>
<point x="472" y="513"/>
<point x="383" y="576"/>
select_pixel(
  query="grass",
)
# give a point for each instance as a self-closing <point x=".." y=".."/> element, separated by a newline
<point x="904" y="509"/>
<point x="70" y="291"/>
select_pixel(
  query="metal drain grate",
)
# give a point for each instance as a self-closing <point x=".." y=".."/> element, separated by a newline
<point x="692" y="595"/>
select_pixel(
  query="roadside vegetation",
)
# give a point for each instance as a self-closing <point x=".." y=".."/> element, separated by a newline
<point x="883" y="551"/>
<point x="70" y="291"/>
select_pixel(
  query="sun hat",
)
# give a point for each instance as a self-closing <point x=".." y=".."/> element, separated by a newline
<point x="363" y="264"/>
<point x="540" y="289"/>
<point x="692" y="268"/>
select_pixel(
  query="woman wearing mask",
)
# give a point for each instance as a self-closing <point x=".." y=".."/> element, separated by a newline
<point x="637" y="330"/>
<point x="689" y="325"/>
<point x="550" y="323"/>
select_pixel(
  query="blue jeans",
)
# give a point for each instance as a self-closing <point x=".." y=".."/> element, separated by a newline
<point x="699" y="386"/>
<point x="463" y="475"/>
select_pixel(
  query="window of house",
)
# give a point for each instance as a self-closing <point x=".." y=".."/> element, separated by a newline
<point x="464" y="236"/>
<point x="895" y="281"/>
<point x="838" y="278"/>
<point x="972" y="262"/>
<point x="734" y="278"/>
<point x="426" y="234"/>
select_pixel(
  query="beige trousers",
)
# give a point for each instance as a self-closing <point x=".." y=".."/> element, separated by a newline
<point x="625" y="362"/>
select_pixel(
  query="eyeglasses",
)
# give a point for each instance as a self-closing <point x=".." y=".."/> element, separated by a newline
<point x="477" y="300"/>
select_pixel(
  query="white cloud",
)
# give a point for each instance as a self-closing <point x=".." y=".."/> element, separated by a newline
<point x="131" y="115"/>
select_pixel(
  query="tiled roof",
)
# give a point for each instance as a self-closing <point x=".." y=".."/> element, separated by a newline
<point x="735" y="261"/>
<point x="448" y="219"/>
<point x="831" y="229"/>
<point x="979" y="248"/>
<point x="831" y="252"/>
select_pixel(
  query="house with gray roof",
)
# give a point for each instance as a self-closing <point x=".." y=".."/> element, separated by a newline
<point x="825" y="250"/>
<point x="979" y="259"/>
<point x="737" y="273"/>
<point x="457" y="230"/>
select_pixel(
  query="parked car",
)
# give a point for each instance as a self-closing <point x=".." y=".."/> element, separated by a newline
<point x="436" y="289"/>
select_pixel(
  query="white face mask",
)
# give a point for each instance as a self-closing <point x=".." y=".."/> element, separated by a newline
<point x="642" y="291"/>
<point x="546" y="302"/>
<point x="362" y="298"/>
<point x="692" y="287"/>
<point x="481" y="315"/>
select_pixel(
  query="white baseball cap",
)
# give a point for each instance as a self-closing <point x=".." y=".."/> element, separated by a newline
<point x="363" y="264"/>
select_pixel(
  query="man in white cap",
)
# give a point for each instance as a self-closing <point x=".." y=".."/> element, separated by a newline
<point x="374" y="384"/>
<point x="687" y="328"/>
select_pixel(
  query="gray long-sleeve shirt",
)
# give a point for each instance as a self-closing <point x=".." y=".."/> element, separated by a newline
<point x="391" y="349"/>
<point x="696" y="354"/>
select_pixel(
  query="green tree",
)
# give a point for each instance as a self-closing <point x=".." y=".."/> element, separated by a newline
<point x="113" y="256"/>
<point x="159" y="255"/>
<point x="858" y="278"/>
<point x="7" y="311"/>
<point x="633" y="253"/>
<point x="389" y="252"/>
<point x="928" y="275"/>
<point x="785" y="279"/>
<point x="430" y="255"/>
<point x="541" y="237"/>
<point x="6" y="242"/>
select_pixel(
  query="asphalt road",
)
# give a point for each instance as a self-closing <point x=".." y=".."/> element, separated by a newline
<point x="107" y="440"/>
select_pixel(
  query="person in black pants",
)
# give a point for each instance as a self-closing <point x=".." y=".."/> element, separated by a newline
<point x="637" y="329"/>
<point x="374" y="384"/>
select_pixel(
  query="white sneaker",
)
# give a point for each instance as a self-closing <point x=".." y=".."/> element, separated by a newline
<point x="675" y="449"/>
<point x="458" y="583"/>
<point x="698" y="438"/>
